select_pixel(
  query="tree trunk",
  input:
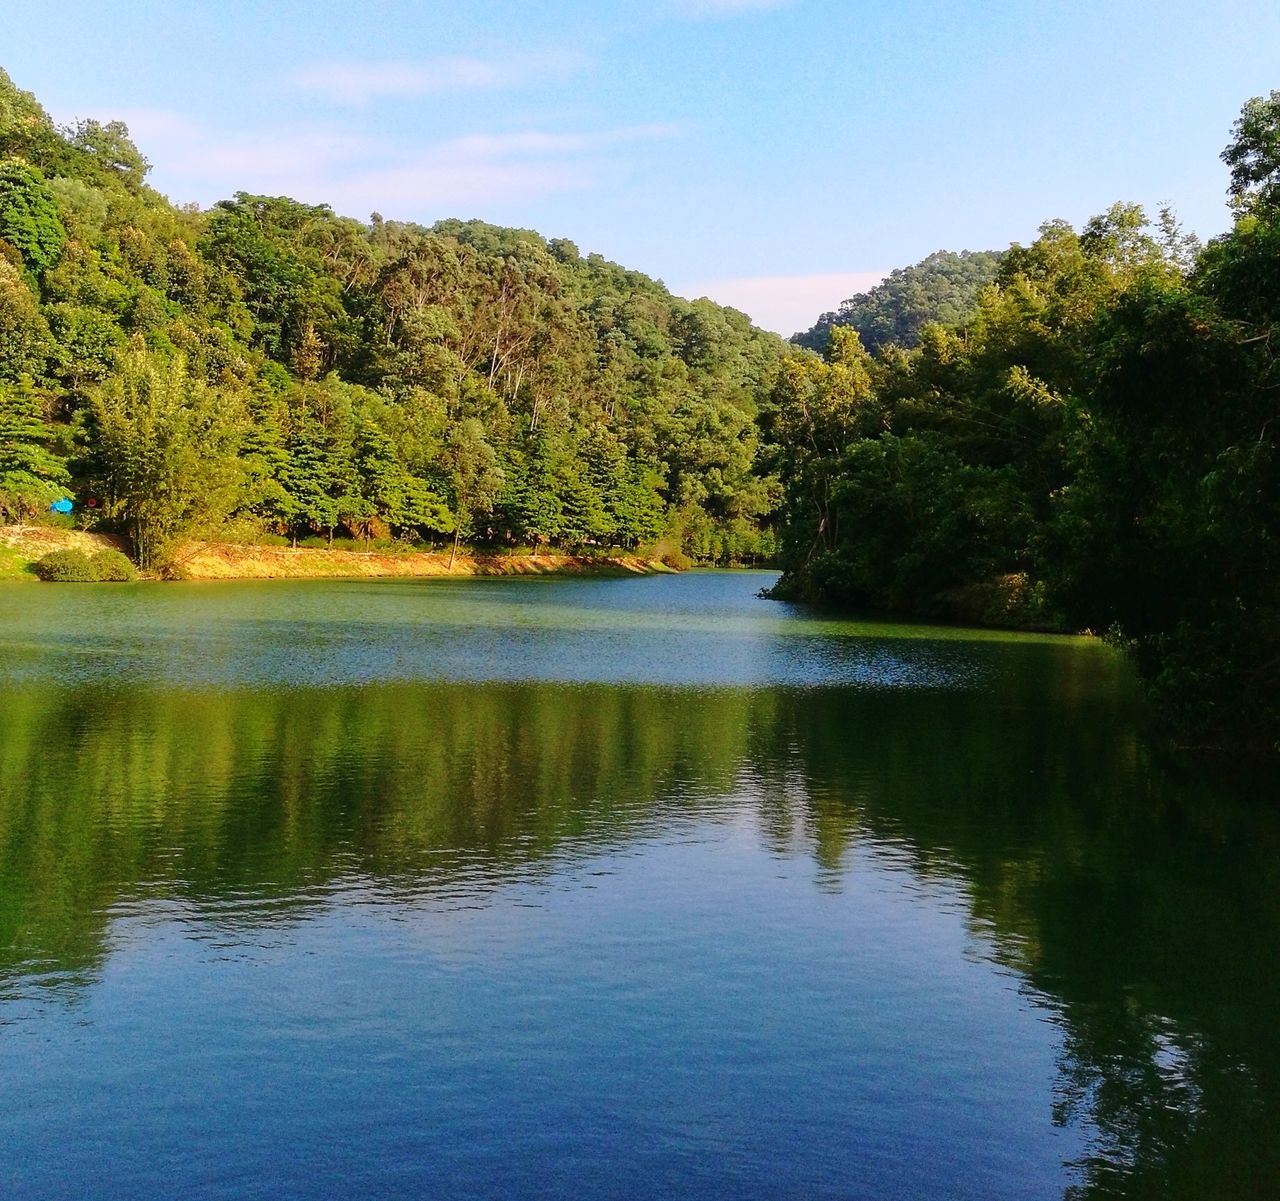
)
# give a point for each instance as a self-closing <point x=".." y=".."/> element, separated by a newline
<point x="453" y="554"/>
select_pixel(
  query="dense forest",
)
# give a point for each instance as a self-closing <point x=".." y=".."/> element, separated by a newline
<point x="1079" y="433"/>
<point x="940" y="289"/>
<point x="298" y="374"/>
<point x="1092" y="446"/>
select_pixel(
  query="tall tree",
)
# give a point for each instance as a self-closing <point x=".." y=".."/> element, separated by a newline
<point x="166" y="447"/>
<point x="31" y="475"/>
<point x="1253" y="154"/>
<point x="29" y="219"/>
<point x="475" y="477"/>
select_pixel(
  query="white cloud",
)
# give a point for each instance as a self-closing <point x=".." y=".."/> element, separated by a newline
<point x="357" y="173"/>
<point x="358" y="82"/>
<point x="786" y="304"/>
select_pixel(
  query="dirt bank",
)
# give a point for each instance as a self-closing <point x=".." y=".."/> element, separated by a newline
<point x="222" y="561"/>
<point x="22" y="545"/>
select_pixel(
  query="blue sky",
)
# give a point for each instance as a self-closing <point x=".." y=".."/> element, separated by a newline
<point x="774" y="154"/>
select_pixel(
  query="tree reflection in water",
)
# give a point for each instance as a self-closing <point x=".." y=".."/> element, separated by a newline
<point x="1139" y="907"/>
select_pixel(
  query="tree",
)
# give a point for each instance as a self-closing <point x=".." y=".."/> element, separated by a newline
<point x="87" y="341"/>
<point x="815" y="412"/>
<point x="264" y="460"/>
<point x="26" y="343"/>
<point x="308" y="478"/>
<point x="111" y="146"/>
<point x="29" y="219"/>
<point x="389" y="490"/>
<point x="583" y="516"/>
<point x="166" y="447"/>
<point x="1166" y="532"/>
<point x="637" y="504"/>
<point x="476" y="479"/>
<point x="1254" y="155"/>
<point x="31" y="475"/>
<point x="533" y="512"/>
<point x="555" y="355"/>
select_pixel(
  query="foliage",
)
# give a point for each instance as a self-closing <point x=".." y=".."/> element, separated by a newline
<point x="1254" y="155"/>
<point x="166" y="451"/>
<point x="72" y="566"/>
<point x="943" y="287"/>
<point x="29" y="220"/>
<point x="1094" y="444"/>
<point x="32" y="476"/>
<point x="67" y="567"/>
<point x="389" y="378"/>
<point x="112" y="147"/>
<point x="110" y="566"/>
<point x="26" y="343"/>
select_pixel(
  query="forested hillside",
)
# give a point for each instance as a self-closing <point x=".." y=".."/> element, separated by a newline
<point x="299" y="374"/>
<point x="1094" y="447"/>
<point x="941" y="288"/>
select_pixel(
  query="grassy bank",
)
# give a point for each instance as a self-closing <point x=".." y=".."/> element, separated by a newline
<point x="21" y="546"/>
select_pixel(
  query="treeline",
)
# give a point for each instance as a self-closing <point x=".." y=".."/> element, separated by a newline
<point x="1093" y="446"/>
<point x="302" y="374"/>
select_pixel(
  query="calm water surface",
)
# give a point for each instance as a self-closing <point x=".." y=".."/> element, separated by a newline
<point x="635" y="888"/>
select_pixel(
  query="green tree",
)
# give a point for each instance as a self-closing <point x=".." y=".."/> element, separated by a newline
<point x="26" y="343"/>
<point x="308" y="478"/>
<point x="264" y="460"/>
<point x="389" y="490"/>
<point x="166" y="447"/>
<point x="111" y="146"/>
<point x="1254" y="155"/>
<point x="29" y="219"/>
<point x="942" y="288"/>
<point x="31" y="475"/>
<point x="475" y="476"/>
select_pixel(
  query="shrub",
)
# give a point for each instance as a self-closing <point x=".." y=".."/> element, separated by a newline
<point x="67" y="567"/>
<point x="75" y="567"/>
<point x="113" y="567"/>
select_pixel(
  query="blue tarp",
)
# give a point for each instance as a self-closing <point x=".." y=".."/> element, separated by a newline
<point x="61" y="506"/>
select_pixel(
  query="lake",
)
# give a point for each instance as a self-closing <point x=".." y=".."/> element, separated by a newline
<point x="612" y="888"/>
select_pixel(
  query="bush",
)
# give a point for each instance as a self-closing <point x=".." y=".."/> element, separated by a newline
<point x="75" y="567"/>
<point x="113" y="567"/>
<point x="67" y="567"/>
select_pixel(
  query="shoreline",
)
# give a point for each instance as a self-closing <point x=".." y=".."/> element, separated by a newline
<point x="21" y="546"/>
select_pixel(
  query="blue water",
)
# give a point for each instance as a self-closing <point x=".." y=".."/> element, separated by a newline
<point x="609" y="888"/>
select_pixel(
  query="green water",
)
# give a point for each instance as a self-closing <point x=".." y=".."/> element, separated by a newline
<point x="612" y="888"/>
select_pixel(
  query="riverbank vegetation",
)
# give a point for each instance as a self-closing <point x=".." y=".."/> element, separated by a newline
<point x="1094" y="445"/>
<point x="273" y="364"/>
